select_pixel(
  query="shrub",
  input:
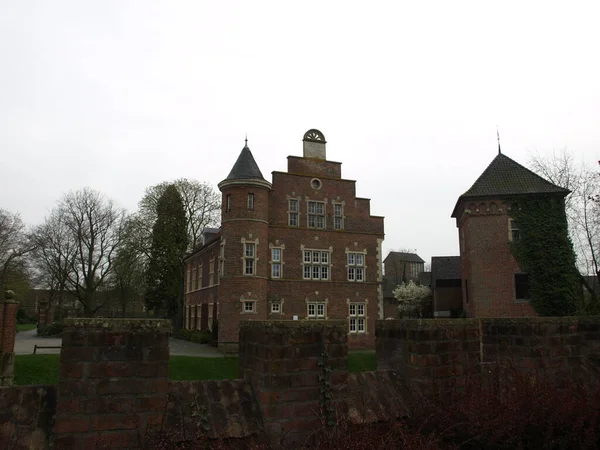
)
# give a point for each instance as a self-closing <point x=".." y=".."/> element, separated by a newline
<point x="201" y="337"/>
<point x="23" y="318"/>
<point x="50" y="330"/>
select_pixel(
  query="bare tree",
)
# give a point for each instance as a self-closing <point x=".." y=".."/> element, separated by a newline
<point x="54" y="255"/>
<point x="81" y="238"/>
<point x="14" y="246"/>
<point x="202" y="206"/>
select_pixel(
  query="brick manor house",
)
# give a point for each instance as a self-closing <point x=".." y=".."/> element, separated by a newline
<point x="302" y="247"/>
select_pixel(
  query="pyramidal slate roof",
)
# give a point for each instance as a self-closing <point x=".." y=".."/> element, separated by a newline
<point x="245" y="167"/>
<point x="505" y="176"/>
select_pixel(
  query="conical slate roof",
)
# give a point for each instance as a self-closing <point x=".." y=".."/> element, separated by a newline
<point x="245" y="167"/>
<point x="504" y="177"/>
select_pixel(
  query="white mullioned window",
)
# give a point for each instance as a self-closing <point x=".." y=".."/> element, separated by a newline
<point x="250" y="201"/>
<point x="316" y="264"/>
<point x="249" y="258"/>
<point x="200" y="269"/>
<point x="338" y="216"/>
<point x="249" y="306"/>
<point x="276" y="307"/>
<point x="316" y="310"/>
<point x="276" y="253"/>
<point x="356" y="318"/>
<point x="316" y="214"/>
<point x="356" y="267"/>
<point x="293" y="212"/>
<point x="211" y="271"/>
<point x="189" y="280"/>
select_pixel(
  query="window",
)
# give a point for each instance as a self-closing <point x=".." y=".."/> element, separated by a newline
<point x="228" y="203"/>
<point x="200" y="267"/>
<point x="276" y="262"/>
<point x="222" y="259"/>
<point x="315" y="183"/>
<point x="249" y="306"/>
<point x="316" y="265"/>
<point x="521" y="286"/>
<point x="293" y="213"/>
<point x="356" y="267"/>
<point x="356" y="315"/>
<point x="276" y="307"/>
<point x="189" y="280"/>
<point x="315" y="310"/>
<point x="316" y="215"/>
<point x="338" y="216"/>
<point x="194" y="279"/>
<point x="515" y="234"/>
<point x="250" y="201"/>
<point x="249" y="258"/>
<point x="211" y="271"/>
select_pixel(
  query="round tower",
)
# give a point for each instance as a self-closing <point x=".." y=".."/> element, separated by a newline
<point x="245" y="252"/>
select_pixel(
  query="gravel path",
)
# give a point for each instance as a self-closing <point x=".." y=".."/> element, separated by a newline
<point x="26" y="340"/>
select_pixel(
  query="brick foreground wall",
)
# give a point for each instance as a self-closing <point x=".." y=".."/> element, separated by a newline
<point x="114" y="392"/>
<point x="8" y="328"/>
<point x="443" y="353"/>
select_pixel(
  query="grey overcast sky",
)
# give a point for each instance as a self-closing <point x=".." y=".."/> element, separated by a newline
<point x="120" y="95"/>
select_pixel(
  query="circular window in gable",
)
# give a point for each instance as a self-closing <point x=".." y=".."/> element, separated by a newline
<point x="315" y="183"/>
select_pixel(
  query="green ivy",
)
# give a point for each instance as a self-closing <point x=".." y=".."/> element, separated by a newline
<point x="545" y="252"/>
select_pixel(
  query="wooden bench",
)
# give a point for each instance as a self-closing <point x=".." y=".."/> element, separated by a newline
<point x="35" y="347"/>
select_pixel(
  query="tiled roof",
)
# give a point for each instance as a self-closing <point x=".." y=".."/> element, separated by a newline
<point x="504" y="177"/>
<point x="445" y="268"/>
<point x="401" y="256"/>
<point x="245" y="167"/>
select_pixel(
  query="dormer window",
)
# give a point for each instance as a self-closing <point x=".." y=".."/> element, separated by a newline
<point x="250" y="201"/>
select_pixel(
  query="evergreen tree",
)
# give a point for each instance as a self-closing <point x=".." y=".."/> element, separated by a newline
<point x="164" y="278"/>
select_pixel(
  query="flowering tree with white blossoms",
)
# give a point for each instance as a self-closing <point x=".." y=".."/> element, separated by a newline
<point x="412" y="297"/>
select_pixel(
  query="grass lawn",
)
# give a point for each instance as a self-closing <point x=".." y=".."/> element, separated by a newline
<point x="26" y="326"/>
<point x="43" y="369"/>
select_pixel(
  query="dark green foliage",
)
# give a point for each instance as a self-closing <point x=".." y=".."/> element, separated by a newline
<point x="53" y="329"/>
<point x="200" y="337"/>
<point x="215" y="330"/>
<point x="545" y="252"/>
<point x="164" y="278"/>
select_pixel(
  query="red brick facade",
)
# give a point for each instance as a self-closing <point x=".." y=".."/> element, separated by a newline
<point x="272" y="223"/>
<point x="487" y="264"/>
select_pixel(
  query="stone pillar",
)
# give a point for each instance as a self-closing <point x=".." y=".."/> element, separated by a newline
<point x="8" y="328"/>
<point x="298" y="371"/>
<point x="113" y="382"/>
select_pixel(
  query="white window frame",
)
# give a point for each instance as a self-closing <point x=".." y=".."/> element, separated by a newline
<point x="357" y="318"/>
<point x="276" y="263"/>
<point x="338" y="219"/>
<point x="211" y="271"/>
<point x="316" y="215"/>
<point x="316" y="310"/>
<point x="275" y="307"/>
<point x="250" y="258"/>
<point x="189" y="279"/>
<point x="228" y="203"/>
<point x="251" y="201"/>
<point x="513" y="228"/>
<point x="313" y="267"/>
<point x="356" y="268"/>
<point x="249" y="306"/>
<point x="293" y="212"/>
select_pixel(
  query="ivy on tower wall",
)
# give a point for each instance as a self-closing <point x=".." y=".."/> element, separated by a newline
<point x="545" y="252"/>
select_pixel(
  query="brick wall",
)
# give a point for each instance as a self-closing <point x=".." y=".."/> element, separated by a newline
<point x="27" y="416"/>
<point x="113" y="381"/>
<point x="485" y="232"/>
<point x="293" y="368"/>
<point x="113" y="378"/>
<point x="430" y="352"/>
<point x="446" y="352"/>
